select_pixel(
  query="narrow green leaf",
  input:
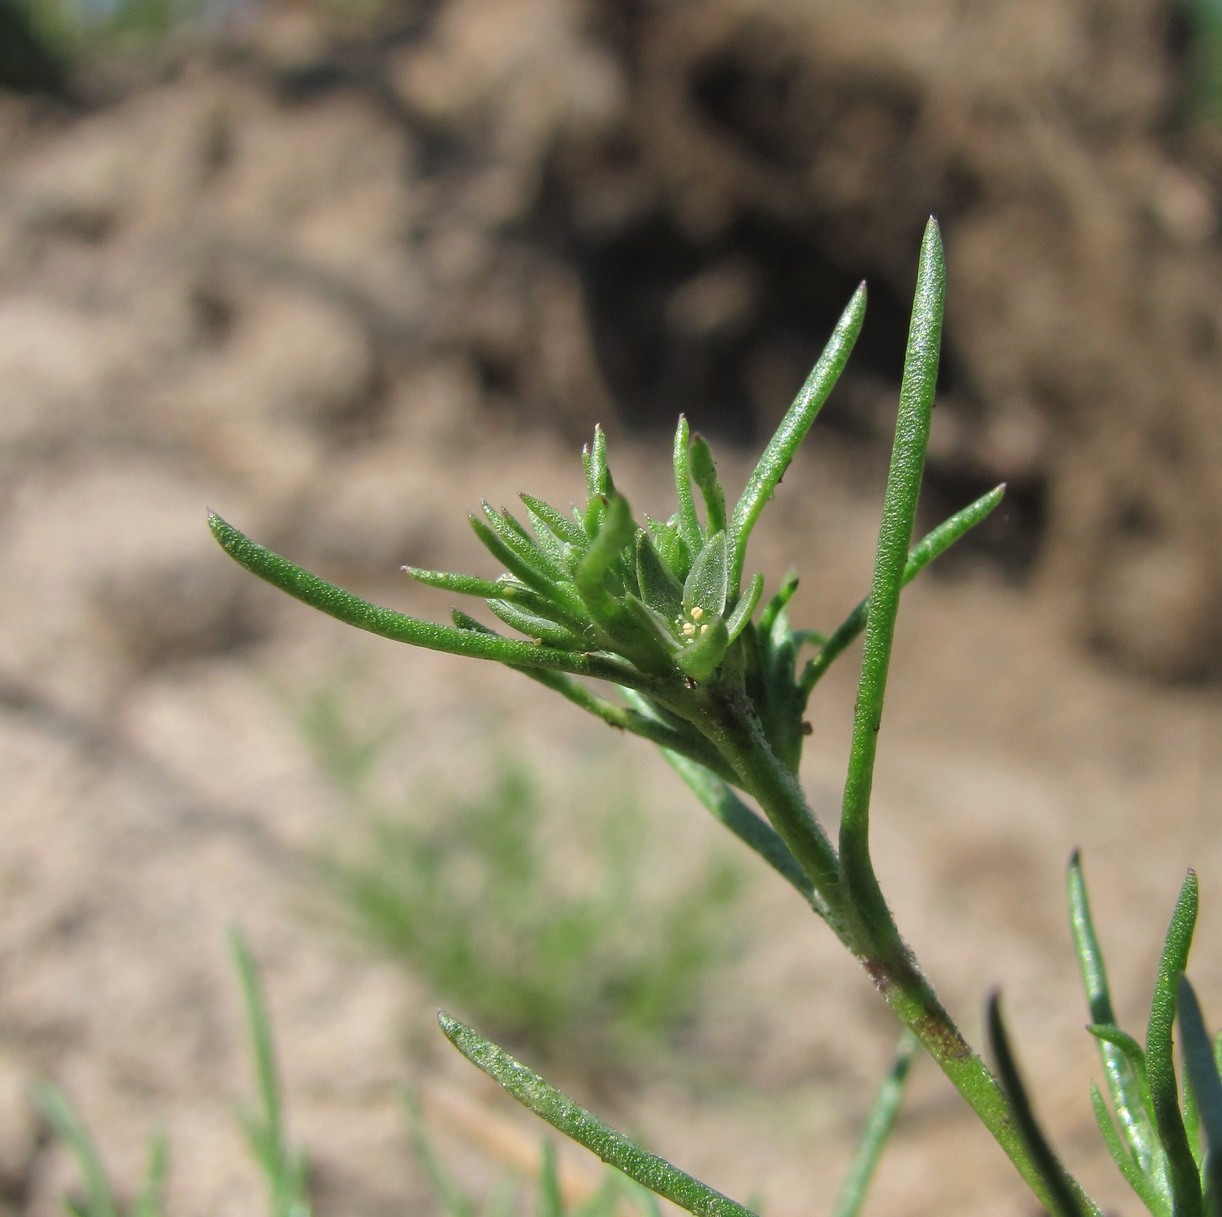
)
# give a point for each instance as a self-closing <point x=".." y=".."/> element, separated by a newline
<point x="741" y="614"/>
<point x="562" y="556"/>
<point x="754" y="831"/>
<point x="151" y="1201"/>
<point x="464" y="585"/>
<point x="931" y="546"/>
<point x="543" y="515"/>
<point x="72" y="1131"/>
<point x="594" y="458"/>
<point x="526" y="598"/>
<point x="704" y="474"/>
<point x="1206" y="1086"/>
<point x="447" y="1192"/>
<point x="533" y="625"/>
<point x="550" y="1202"/>
<point x="650" y="622"/>
<point x="700" y="659"/>
<point x="894" y="538"/>
<point x="1131" y="1051"/>
<point x="671" y="547"/>
<point x="789" y="435"/>
<point x="1192" y="1118"/>
<point x="1124" y="1063"/>
<point x="1146" y="1188"/>
<point x="1062" y="1198"/>
<point x="523" y="560"/>
<point x="659" y="587"/>
<point x="777" y="604"/>
<point x="878" y="1128"/>
<point x="688" y="524"/>
<point x="708" y="584"/>
<point x="548" y="554"/>
<point x="582" y="1126"/>
<point x="398" y="627"/>
<point x="607" y="549"/>
<point x="284" y="1168"/>
<point x="1160" y="1060"/>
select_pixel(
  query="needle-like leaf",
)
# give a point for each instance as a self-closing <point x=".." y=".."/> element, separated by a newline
<point x="1160" y="1061"/>
<point x="1064" y="1201"/>
<point x="1124" y="1065"/>
<point x="1206" y="1086"/>
<point x="931" y="546"/>
<point x="686" y="520"/>
<point x="399" y="627"/>
<point x="792" y="431"/>
<point x="584" y="1127"/>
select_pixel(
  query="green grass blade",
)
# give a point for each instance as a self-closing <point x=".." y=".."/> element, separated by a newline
<point x="259" y="1024"/>
<point x="151" y="1201"/>
<point x="1062" y="1199"/>
<point x="789" y="435"/>
<point x="285" y="1169"/>
<point x="1160" y="1061"/>
<point x="931" y="546"/>
<point x="1206" y="1086"/>
<point x="687" y="521"/>
<point x="582" y="1126"/>
<point x="451" y="1199"/>
<point x="645" y="1199"/>
<point x="398" y="627"/>
<point x="73" y="1132"/>
<point x="878" y="1128"/>
<point x="550" y="1202"/>
<point x="894" y="538"/>
<point x="1124" y="1065"/>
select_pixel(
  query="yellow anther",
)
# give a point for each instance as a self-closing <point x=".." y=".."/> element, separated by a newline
<point x="689" y="630"/>
<point x="697" y="612"/>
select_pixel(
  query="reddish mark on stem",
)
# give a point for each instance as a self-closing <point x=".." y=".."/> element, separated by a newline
<point x="932" y="1027"/>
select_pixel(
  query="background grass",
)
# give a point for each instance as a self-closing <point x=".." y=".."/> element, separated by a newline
<point x="540" y="939"/>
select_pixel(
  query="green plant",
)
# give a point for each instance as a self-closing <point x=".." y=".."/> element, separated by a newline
<point x="99" y="1198"/>
<point x="665" y="613"/>
<point x="472" y="900"/>
<point x="617" y="1197"/>
<point x="283" y="1168"/>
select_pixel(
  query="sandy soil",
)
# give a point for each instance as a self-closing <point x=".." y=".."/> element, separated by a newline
<point x="226" y="289"/>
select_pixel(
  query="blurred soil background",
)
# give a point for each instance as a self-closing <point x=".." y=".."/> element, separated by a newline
<point x="339" y="275"/>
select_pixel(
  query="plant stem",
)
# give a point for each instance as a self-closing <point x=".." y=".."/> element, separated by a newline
<point x="894" y="972"/>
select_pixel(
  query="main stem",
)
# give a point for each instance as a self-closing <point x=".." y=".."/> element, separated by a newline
<point x="892" y="966"/>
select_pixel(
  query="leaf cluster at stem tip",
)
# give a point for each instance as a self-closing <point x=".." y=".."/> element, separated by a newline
<point x="660" y="607"/>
